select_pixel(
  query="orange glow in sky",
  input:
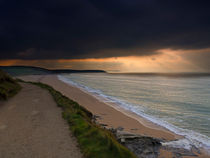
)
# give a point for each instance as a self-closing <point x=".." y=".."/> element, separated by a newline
<point x="166" y="60"/>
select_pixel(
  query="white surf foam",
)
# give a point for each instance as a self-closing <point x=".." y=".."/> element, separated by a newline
<point x="191" y="138"/>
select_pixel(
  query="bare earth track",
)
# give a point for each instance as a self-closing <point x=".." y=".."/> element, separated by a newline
<point x="31" y="126"/>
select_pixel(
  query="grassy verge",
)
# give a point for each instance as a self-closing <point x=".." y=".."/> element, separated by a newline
<point x="94" y="141"/>
<point x="8" y="86"/>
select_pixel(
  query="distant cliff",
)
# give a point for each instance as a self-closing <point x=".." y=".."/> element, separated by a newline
<point x="30" y="70"/>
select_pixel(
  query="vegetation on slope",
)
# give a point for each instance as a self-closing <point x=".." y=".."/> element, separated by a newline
<point x="95" y="142"/>
<point x="8" y="86"/>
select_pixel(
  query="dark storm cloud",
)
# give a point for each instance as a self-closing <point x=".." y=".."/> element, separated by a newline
<point x="53" y="29"/>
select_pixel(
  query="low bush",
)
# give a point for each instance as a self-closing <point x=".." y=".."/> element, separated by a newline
<point x="8" y="86"/>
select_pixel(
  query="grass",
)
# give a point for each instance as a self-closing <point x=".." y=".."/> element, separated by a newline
<point x="94" y="141"/>
<point x="8" y="86"/>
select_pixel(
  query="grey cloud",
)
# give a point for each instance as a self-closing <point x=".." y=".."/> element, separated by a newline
<point x="93" y="29"/>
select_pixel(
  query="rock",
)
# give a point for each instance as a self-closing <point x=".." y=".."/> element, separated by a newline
<point x="94" y="118"/>
<point x="103" y="125"/>
<point x="141" y="146"/>
<point x="148" y="147"/>
<point x="122" y="140"/>
<point x="134" y="129"/>
<point x="120" y="128"/>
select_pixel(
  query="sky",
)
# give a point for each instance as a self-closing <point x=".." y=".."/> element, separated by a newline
<point x="116" y="36"/>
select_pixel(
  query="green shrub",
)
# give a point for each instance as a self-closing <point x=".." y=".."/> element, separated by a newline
<point x="8" y="86"/>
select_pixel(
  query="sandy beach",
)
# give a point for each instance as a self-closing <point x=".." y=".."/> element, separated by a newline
<point x="108" y="115"/>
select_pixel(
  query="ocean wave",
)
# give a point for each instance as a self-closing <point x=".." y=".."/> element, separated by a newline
<point x="191" y="138"/>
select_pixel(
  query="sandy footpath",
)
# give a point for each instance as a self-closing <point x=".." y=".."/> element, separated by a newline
<point x="31" y="126"/>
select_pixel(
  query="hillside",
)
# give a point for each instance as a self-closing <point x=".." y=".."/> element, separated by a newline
<point x="8" y="86"/>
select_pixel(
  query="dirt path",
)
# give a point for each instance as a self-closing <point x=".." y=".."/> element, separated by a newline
<point x="31" y="126"/>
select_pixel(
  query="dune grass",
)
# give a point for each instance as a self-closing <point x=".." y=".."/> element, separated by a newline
<point x="94" y="141"/>
<point x="8" y="86"/>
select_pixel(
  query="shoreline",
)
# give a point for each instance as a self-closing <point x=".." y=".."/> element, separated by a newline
<point x="130" y="124"/>
<point x="139" y="118"/>
<point x="108" y="114"/>
<point x="146" y="120"/>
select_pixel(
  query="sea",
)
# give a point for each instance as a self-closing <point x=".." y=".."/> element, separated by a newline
<point x="179" y="103"/>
